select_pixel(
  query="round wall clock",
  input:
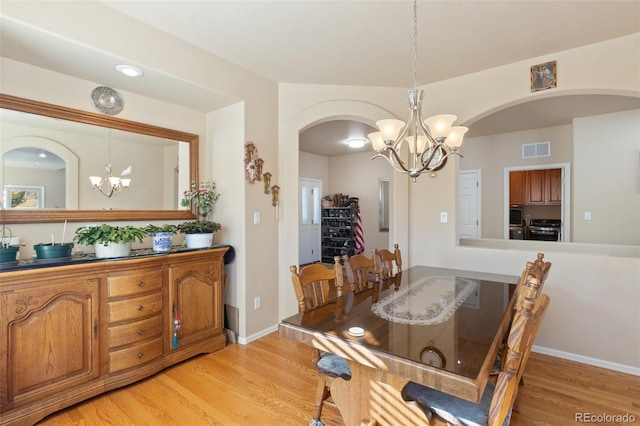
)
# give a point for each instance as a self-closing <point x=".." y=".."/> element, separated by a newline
<point x="106" y="100"/>
<point x="432" y="356"/>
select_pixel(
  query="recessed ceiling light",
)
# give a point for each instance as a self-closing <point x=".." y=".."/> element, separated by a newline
<point x="129" y="70"/>
<point x="356" y="143"/>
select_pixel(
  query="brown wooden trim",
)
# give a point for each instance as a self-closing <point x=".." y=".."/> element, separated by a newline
<point x="65" y="113"/>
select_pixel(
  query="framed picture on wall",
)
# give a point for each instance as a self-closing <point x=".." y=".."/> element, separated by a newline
<point x="543" y="76"/>
<point x="23" y="197"/>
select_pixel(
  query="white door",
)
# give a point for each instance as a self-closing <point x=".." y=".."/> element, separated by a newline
<point x="469" y="193"/>
<point x="310" y="211"/>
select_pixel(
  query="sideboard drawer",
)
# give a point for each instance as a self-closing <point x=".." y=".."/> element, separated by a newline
<point x="133" y="332"/>
<point x="135" y="356"/>
<point x="125" y="284"/>
<point x="131" y="309"/>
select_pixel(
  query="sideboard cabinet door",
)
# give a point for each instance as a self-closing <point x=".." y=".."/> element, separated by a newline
<point x="196" y="300"/>
<point x="49" y="339"/>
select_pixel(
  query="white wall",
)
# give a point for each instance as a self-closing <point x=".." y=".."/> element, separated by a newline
<point x="313" y="166"/>
<point x="606" y="179"/>
<point x="358" y="176"/>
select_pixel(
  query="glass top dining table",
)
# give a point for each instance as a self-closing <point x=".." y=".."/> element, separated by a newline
<point x="439" y="327"/>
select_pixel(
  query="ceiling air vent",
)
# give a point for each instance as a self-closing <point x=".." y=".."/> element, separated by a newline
<point x="534" y="150"/>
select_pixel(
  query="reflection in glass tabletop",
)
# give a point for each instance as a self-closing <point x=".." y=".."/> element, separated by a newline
<point x="453" y="312"/>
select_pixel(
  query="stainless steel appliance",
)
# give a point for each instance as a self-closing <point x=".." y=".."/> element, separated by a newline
<point x="516" y="215"/>
<point x="544" y="230"/>
<point x="516" y="232"/>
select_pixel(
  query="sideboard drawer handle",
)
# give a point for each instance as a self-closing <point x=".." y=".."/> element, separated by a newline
<point x="140" y="332"/>
<point x="140" y="308"/>
<point x="140" y="283"/>
<point x="140" y="355"/>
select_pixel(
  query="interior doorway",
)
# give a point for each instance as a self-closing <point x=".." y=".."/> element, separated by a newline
<point x="469" y="203"/>
<point x="310" y="210"/>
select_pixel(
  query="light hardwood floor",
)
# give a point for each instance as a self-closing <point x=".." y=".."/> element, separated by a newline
<point x="272" y="382"/>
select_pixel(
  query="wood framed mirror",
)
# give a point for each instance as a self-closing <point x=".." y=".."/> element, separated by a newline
<point x="73" y="210"/>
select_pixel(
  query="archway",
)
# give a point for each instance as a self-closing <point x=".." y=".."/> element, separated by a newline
<point x="289" y="142"/>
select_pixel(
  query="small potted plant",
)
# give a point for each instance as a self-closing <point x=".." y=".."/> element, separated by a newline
<point x="110" y="241"/>
<point x="161" y="236"/>
<point x="9" y="245"/>
<point x="199" y="234"/>
<point x="8" y="250"/>
<point x="203" y="197"/>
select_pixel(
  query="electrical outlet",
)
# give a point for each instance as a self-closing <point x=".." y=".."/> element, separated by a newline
<point x="443" y="217"/>
<point x="256" y="303"/>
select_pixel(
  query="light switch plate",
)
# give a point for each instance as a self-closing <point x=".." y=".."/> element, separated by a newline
<point x="443" y="217"/>
<point x="256" y="218"/>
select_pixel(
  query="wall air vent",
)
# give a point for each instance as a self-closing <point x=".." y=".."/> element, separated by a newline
<point x="534" y="150"/>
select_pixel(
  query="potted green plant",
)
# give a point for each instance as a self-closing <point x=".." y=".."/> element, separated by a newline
<point x="199" y="234"/>
<point x="203" y="197"/>
<point x="161" y="236"/>
<point x="109" y="240"/>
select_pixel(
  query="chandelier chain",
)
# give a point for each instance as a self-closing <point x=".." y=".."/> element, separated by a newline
<point x="415" y="44"/>
<point x="426" y="143"/>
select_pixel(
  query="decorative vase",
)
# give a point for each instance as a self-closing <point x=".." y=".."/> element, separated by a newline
<point x="161" y="241"/>
<point x="199" y="240"/>
<point x="112" y="250"/>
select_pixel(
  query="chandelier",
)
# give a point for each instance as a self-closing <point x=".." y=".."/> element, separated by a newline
<point x="430" y="142"/>
<point x="110" y="185"/>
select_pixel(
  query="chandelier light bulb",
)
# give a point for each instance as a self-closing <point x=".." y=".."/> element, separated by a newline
<point x="390" y="128"/>
<point x="440" y="125"/>
<point x="454" y="140"/>
<point x="376" y="141"/>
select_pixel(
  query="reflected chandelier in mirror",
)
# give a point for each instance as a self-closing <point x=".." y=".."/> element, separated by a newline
<point x="178" y="151"/>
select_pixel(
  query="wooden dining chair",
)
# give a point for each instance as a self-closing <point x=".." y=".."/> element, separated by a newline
<point x="497" y="401"/>
<point x="361" y="271"/>
<point x="391" y="264"/>
<point x="317" y="286"/>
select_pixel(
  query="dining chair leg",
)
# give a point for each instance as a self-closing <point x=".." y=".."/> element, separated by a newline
<point x="321" y="395"/>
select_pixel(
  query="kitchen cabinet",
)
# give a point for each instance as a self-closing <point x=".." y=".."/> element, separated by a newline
<point x="543" y="187"/>
<point x="535" y="187"/>
<point x="73" y="331"/>
<point x="516" y="188"/>
<point x="554" y="186"/>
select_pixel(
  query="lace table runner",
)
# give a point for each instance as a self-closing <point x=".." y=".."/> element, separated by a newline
<point x="427" y="301"/>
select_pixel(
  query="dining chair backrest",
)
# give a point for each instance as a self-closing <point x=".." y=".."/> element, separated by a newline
<point x="524" y="328"/>
<point x="317" y="284"/>
<point x="361" y="271"/>
<point x="496" y="403"/>
<point x="391" y="262"/>
<point x="533" y="277"/>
